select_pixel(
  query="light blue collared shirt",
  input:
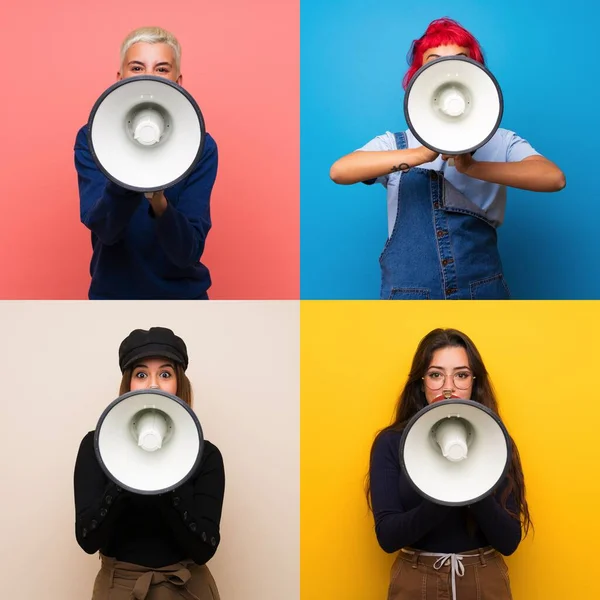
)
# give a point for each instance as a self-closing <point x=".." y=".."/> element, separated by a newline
<point x="505" y="146"/>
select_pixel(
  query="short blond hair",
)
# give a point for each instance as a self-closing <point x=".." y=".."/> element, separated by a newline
<point x="152" y="35"/>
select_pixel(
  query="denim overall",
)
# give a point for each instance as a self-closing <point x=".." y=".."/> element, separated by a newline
<point x="442" y="247"/>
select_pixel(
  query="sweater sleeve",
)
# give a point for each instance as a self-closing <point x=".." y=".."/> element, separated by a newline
<point x="98" y="501"/>
<point x="502" y="531"/>
<point x="105" y="208"/>
<point x="396" y="527"/>
<point x="193" y="510"/>
<point x="182" y="229"/>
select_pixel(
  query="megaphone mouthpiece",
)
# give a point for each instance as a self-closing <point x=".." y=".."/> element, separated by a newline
<point x="151" y="429"/>
<point x="148" y="127"/>
<point x="452" y="102"/>
<point x="451" y="436"/>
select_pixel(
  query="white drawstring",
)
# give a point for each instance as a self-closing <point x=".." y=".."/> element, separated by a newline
<point x="456" y="565"/>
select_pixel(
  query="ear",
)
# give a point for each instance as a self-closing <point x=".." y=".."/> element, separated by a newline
<point x="119" y="76"/>
<point x="179" y="80"/>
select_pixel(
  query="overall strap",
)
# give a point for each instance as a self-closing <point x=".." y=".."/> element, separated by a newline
<point x="401" y="141"/>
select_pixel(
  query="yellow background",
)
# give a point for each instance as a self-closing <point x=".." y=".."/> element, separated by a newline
<point x="544" y="360"/>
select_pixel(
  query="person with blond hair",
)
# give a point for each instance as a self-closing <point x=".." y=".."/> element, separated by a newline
<point x="147" y="248"/>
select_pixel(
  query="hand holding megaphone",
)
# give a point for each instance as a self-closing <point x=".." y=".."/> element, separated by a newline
<point x="158" y="202"/>
<point x="461" y="162"/>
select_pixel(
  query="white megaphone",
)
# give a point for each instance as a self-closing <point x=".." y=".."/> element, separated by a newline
<point x="455" y="452"/>
<point x="453" y="105"/>
<point x="146" y="133"/>
<point x="148" y="441"/>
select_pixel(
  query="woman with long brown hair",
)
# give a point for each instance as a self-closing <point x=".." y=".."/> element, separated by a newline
<point x="445" y="550"/>
<point x="152" y="547"/>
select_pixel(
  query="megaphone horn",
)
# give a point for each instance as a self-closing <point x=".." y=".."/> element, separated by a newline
<point x="146" y="133"/>
<point x="455" y="452"/>
<point x="148" y="441"/>
<point x="453" y="105"/>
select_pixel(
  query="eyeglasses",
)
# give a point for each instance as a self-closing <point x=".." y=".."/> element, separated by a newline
<point x="435" y="380"/>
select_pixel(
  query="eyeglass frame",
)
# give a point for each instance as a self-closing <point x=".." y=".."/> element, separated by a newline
<point x="445" y="379"/>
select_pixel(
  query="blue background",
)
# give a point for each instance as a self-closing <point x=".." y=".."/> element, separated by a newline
<point x="353" y="59"/>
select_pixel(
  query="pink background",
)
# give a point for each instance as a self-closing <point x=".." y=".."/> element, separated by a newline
<point x="240" y="61"/>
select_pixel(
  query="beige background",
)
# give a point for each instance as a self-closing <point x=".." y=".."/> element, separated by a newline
<point x="60" y="370"/>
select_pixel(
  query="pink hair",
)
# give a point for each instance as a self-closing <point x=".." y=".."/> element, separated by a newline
<point x="441" y="32"/>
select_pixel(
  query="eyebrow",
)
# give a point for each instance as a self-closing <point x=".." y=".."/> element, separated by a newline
<point x="442" y="368"/>
<point x="438" y="56"/>
<point x="161" y="366"/>
<point x="136" y="63"/>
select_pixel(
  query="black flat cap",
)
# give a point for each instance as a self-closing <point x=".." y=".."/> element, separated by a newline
<point x="157" y="341"/>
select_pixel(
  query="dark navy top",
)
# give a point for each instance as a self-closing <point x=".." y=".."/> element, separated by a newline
<point x="403" y="518"/>
<point x="136" y="255"/>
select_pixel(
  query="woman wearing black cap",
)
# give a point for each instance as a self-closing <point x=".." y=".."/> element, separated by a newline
<point x="152" y="547"/>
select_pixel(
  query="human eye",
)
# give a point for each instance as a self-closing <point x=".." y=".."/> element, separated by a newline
<point x="434" y="375"/>
<point x="140" y="375"/>
<point x="464" y="375"/>
<point x="165" y="374"/>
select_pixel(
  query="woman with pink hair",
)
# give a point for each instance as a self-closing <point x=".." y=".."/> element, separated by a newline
<point x="442" y="219"/>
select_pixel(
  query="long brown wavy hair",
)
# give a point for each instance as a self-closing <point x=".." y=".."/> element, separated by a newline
<point x="412" y="400"/>
<point x="184" y="387"/>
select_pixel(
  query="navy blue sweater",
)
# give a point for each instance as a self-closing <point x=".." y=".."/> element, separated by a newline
<point x="403" y="518"/>
<point x="136" y="255"/>
<point x="153" y="531"/>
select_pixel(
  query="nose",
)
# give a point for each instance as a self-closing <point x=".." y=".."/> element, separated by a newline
<point x="449" y="387"/>
<point x="449" y="382"/>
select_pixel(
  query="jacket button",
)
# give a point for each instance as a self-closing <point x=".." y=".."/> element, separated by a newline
<point x="193" y="527"/>
<point x="204" y="538"/>
<point x="440" y="233"/>
<point x="436" y="205"/>
<point x="213" y="542"/>
<point x="185" y="515"/>
<point x="93" y="524"/>
<point x="103" y="512"/>
<point x="176" y="501"/>
<point x="108" y="499"/>
<point x="84" y="532"/>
